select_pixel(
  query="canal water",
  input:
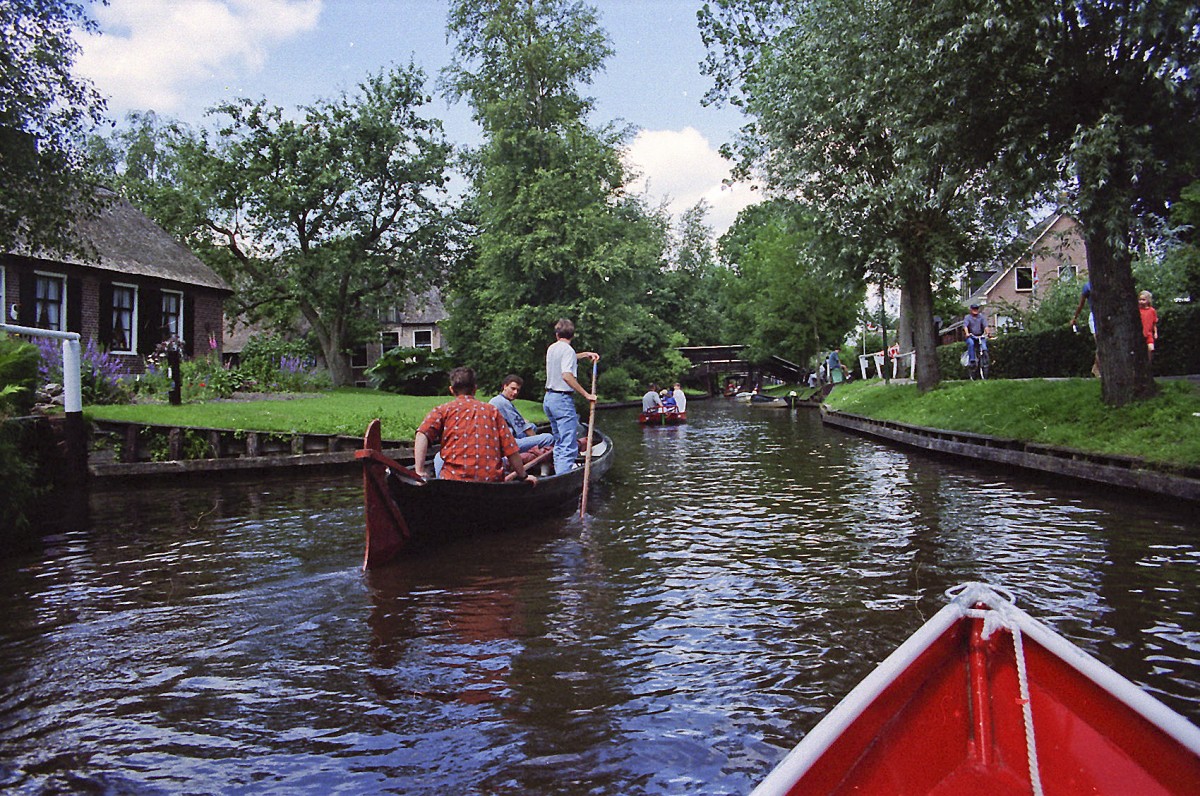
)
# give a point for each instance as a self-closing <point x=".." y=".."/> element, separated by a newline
<point x="736" y="577"/>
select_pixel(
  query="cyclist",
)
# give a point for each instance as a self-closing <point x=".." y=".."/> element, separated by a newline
<point x="976" y="324"/>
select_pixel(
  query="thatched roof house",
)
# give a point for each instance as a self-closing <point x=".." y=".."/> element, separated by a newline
<point x="133" y="286"/>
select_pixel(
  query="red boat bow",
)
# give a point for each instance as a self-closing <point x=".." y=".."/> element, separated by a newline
<point x="985" y="699"/>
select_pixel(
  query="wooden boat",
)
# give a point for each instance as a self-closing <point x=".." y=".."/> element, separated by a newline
<point x="404" y="511"/>
<point x="985" y="699"/>
<point x="768" y="401"/>
<point x="657" y="418"/>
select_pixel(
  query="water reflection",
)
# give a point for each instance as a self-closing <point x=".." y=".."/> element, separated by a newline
<point x="735" y="578"/>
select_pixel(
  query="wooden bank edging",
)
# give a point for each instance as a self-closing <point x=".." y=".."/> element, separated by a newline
<point x="228" y="451"/>
<point x="1126" y="472"/>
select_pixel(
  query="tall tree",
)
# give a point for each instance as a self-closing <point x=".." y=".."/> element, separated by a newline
<point x="1098" y="94"/>
<point x="557" y="234"/>
<point x="334" y="214"/>
<point x="790" y="292"/>
<point x="44" y="108"/>
<point x="826" y="83"/>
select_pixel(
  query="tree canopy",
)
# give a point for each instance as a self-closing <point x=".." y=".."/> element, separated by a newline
<point x="918" y="119"/>
<point x="44" y="109"/>
<point x="558" y="236"/>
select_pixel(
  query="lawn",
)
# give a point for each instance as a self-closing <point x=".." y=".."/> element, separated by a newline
<point x="342" y="411"/>
<point x="1063" y="412"/>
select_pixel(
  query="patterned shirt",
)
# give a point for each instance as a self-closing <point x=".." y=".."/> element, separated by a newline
<point x="475" y="439"/>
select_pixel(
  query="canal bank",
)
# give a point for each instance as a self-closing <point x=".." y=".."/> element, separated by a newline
<point x="1124" y="472"/>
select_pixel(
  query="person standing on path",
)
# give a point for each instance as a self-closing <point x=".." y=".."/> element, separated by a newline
<point x="1149" y="322"/>
<point x="562" y="365"/>
<point x="1085" y="297"/>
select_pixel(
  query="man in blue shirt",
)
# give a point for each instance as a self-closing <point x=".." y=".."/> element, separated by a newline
<point x="976" y="325"/>
<point x="522" y="429"/>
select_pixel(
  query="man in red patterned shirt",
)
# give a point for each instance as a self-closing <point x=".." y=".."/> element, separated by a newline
<point x="475" y="437"/>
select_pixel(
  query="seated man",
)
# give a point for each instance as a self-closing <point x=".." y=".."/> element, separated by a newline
<point x="522" y="429"/>
<point x="668" y="402"/>
<point x="650" y="401"/>
<point x="680" y="398"/>
<point x="475" y="439"/>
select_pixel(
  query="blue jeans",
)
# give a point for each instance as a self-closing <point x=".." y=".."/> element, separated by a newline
<point x="971" y="346"/>
<point x="536" y="441"/>
<point x="564" y="424"/>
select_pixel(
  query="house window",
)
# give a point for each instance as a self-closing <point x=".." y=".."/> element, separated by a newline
<point x="1024" y="277"/>
<point x="172" y="315"/>
<point x="423" y="338"/>
<point x="389" y="340"/>
<point x="358" y="356"/>
<point x="50" y="303"/>
<point x="1066" y="271"/>
<point x="124" y="319"/>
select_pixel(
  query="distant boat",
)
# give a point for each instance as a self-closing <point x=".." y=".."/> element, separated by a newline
<point x="768" y="401"/>
<point x="657" y="418"/>
<point x="404" y="511"/>
<point x="985" y="699"/>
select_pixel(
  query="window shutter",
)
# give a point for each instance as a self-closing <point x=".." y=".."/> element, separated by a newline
<point x="105" y="315"/>
<point x="28" y="291"/>
<point x="149" y="320"/>
<point x="189" y="326"/>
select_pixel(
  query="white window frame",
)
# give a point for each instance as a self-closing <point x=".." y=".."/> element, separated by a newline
<point x="427" y="330"/>
<point x="133" y="318"/>
<point x="62" y="300"/>
<point x="180" y="321"/>
<point x="1067" y="271"/>
<point x="389" y="336"/>
<point x="1017" y="278"/>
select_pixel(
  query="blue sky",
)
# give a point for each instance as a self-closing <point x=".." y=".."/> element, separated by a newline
<point x="179" y="57"/>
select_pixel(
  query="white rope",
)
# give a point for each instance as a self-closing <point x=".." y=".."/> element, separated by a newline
<point x="1002" y="614"/>
<point x="1035" y="774"/>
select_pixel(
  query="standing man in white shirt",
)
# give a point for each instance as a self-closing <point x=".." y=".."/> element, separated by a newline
<point x="562" y="365"/>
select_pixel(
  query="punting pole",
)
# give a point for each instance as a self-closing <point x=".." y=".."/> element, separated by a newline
<point x="587" y="457"/>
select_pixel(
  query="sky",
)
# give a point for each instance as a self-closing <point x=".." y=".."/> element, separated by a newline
<point x="180" y="57"/>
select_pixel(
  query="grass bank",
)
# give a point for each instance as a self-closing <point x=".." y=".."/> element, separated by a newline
<point x="342" y="411"/>
<point x="1067" y="413"/>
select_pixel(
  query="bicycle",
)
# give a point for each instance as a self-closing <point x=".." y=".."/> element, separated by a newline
<point x="977" y="370"/>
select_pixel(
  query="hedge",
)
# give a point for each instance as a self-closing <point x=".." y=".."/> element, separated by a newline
<point x="1063" y="353"/>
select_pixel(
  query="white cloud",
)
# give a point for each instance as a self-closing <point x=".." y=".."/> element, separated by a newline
<point x="681" y="167"/>
<point x="151" y="51"/>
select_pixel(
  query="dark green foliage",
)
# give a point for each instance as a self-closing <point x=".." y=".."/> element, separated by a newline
<point x="43" y="109"/>
<point x="1054" y="353"/>
<point x="18" y="376"/>
<point x="1177" y="352"/>
<point x="616" y="384"/>
<point x="412" y="371"/>
<point x="1061" y="353"/>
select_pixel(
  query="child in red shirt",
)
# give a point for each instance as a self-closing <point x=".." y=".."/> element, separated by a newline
<point x="1149" y="321"/>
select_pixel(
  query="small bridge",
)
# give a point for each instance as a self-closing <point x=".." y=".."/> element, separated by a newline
<point x="712" y="361"/>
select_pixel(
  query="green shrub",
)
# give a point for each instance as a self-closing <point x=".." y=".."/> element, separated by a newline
<point x="18" y="375"/>
<point x="1059" y="352"/>
<point x="271" y="363"/>
<point x="616" y="384"/>
<point x="1052" y="353"/>
<point x="412" y="371"/>
<point x="1177" y="352"/>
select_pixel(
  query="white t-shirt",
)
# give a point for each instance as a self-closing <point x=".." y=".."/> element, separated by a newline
<point x="560" y="359"/>
<point x="680" y="400"/>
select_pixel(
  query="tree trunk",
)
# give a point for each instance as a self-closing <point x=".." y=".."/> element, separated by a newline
<point x="1124" y="365"/>
<point x="915" y="280"/>
<point x="331" y="340"/>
